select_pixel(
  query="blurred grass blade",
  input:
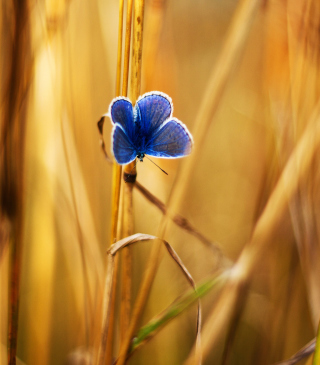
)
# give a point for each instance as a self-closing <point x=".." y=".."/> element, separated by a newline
<point x="107" y="307"/>
<point x="277" y="206"/>
<point x="316" y="358"/>
<point x="307" y="350"/>
<point x="18" y="67"/>
<point x="126" y="226"/>
<point x="176" y="258"/>
<point x="180" y="305"/>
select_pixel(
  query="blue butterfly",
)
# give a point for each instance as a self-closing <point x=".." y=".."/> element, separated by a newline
<point x="148" y="128"/>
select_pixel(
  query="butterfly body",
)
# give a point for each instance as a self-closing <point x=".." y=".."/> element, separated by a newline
<point x="148" y="128"/>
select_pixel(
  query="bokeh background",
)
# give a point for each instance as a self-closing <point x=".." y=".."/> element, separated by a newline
<point x="69" y="73"/>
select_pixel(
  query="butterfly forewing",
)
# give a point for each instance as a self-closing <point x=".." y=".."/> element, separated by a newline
<point x="154" y="110"/>
<point x="172" y="140"/>
<point x="121" y="112"/>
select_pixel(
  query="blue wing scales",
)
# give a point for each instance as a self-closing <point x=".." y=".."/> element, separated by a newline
<point x="123" y="150"/>
<point x="121" y="112"/>
<point x="153" y="109"/>
<point x="172" y="140"/>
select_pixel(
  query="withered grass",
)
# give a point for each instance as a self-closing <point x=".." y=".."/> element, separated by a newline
<point x="239" y="217"/>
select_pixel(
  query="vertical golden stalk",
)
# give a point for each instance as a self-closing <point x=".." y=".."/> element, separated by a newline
<point x="106" y="340"/>
<point x="12" y="159"/>
<point x="127" y="192"/>
<point x="125" y="76"/>
<point x="127" y="215"/>
<point x="106" y="344"/>
<point x="117" y="168"/>
<point x="218" y="80"/>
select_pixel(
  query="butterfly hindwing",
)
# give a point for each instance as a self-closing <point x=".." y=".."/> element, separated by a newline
<point x="153" y="109"/>
<point x="123" y="150"/>
<point x="171" y="140"/>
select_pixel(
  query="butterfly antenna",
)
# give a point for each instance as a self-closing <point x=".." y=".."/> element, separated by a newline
<point x="130" y="172"/>
<point x="156" y="165"/>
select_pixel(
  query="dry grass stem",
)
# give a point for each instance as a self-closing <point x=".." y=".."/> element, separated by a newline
<point x="141" y="300"/>
<point x="126" y="260"/>
<point x="302" y="53"/>
<point x="106" y="343"/>
<point x="127" y="209"/>
<point x="13" y="125"/>
<point x="135" y="85"/>
<point x="125" y="77"/>
<point x="125" y="242"/>
<point x="316" y="356"/>
<point x="102" y="143"/>
<point x="307" y="350"/>
<point x="218" y="80"/>
<point x="119" y="54"/>
<point x="174" y="255"/>
<point x="107" y="307"/>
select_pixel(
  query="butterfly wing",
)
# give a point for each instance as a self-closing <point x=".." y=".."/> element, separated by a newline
<point x="171" y="140"/>
<point x="123" y="150"/>
<point x="121" y="112"/>
<point x="152" y="110"/>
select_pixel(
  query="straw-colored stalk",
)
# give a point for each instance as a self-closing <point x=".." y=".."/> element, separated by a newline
<point x="122" y="223"/>
<point x="12" y="159"/>
<point x="130" y="169"/>
<point x="127" y="210"/>
<point x="116" y="185"/>
<point x="106" y="341"/>
<point x="178" y="307"/>
<point x="217" y="83"/>
<point x="304" y="76"/>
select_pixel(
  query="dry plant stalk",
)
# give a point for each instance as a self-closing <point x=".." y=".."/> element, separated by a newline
<point x="12" y="158"/>
<point x="106" y="341"/>
<point x="307" y="350"/>
<point x="118" y="230"/>
<point x="138" y="237"/>
<point x="217" y="83"/>
<point x="126" y="227"/>
<point x="122" y="224"/>
<point x="303" y="50"/>
<point x="130" y="169"/>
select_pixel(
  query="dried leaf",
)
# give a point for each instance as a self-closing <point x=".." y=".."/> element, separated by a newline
<point x="100" y="124"/>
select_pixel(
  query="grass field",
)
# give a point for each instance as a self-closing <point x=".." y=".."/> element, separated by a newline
<point x="226" y="267"/>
